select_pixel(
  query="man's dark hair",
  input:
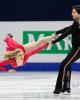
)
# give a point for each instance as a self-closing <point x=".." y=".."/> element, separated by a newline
<point x="10" y="35"/>
<point x="77" y="8"/>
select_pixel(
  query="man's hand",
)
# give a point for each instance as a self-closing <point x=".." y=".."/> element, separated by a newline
<point x="50" y="42"/>
<point x="53" y="41"/>
<point x="12" y="70"/>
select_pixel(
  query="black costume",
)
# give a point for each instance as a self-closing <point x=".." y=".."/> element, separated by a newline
<point x="64" y="76"/>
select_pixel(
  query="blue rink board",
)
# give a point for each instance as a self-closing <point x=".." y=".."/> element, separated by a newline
<point x="43" y="67"/>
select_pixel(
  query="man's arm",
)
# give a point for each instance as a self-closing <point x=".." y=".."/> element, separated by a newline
<point x="62" y="30"/>
<point x="65" y="34"/>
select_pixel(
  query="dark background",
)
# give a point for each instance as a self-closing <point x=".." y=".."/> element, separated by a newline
<point x="36" y="10"/>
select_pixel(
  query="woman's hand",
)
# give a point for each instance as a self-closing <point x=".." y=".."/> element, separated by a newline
<point x="12" y="70"/>
<point x="54" y="36"/>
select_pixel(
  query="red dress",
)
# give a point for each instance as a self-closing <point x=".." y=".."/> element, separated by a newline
<point x="12" y="61"/>
<point x="12" y="44"/>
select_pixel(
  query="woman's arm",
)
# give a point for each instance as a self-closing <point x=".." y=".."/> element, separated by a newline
<point x="3" y="65"/>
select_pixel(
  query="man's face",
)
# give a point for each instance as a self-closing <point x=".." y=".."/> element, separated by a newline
<point x="75" y="14"/>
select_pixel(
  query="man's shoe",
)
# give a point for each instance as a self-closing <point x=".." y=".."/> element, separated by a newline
<point x="66" y="91"/>
<point x="57" y="91"/>
<point x="63" y="90"/>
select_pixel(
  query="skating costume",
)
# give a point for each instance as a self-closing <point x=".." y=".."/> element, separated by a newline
<point x="12" y="61"/>
<point x="74" y="54"/>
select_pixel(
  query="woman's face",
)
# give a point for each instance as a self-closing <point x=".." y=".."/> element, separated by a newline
<point x="20" y="55"/>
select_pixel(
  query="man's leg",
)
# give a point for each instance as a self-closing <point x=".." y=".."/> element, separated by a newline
<point x="67" y="80"/>
<point x="71" y="57"/>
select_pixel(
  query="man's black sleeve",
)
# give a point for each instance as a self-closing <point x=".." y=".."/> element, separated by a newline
<point x="62" y="30"/>
<point x="65" y="34"/>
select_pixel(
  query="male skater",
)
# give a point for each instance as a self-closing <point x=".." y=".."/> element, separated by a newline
<point x="64" y="75"/>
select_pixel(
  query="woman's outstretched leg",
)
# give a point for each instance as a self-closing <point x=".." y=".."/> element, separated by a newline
<point x="34" y="45"/>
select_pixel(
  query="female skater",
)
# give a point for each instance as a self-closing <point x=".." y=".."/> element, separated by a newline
<point x="16" y="54"/>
